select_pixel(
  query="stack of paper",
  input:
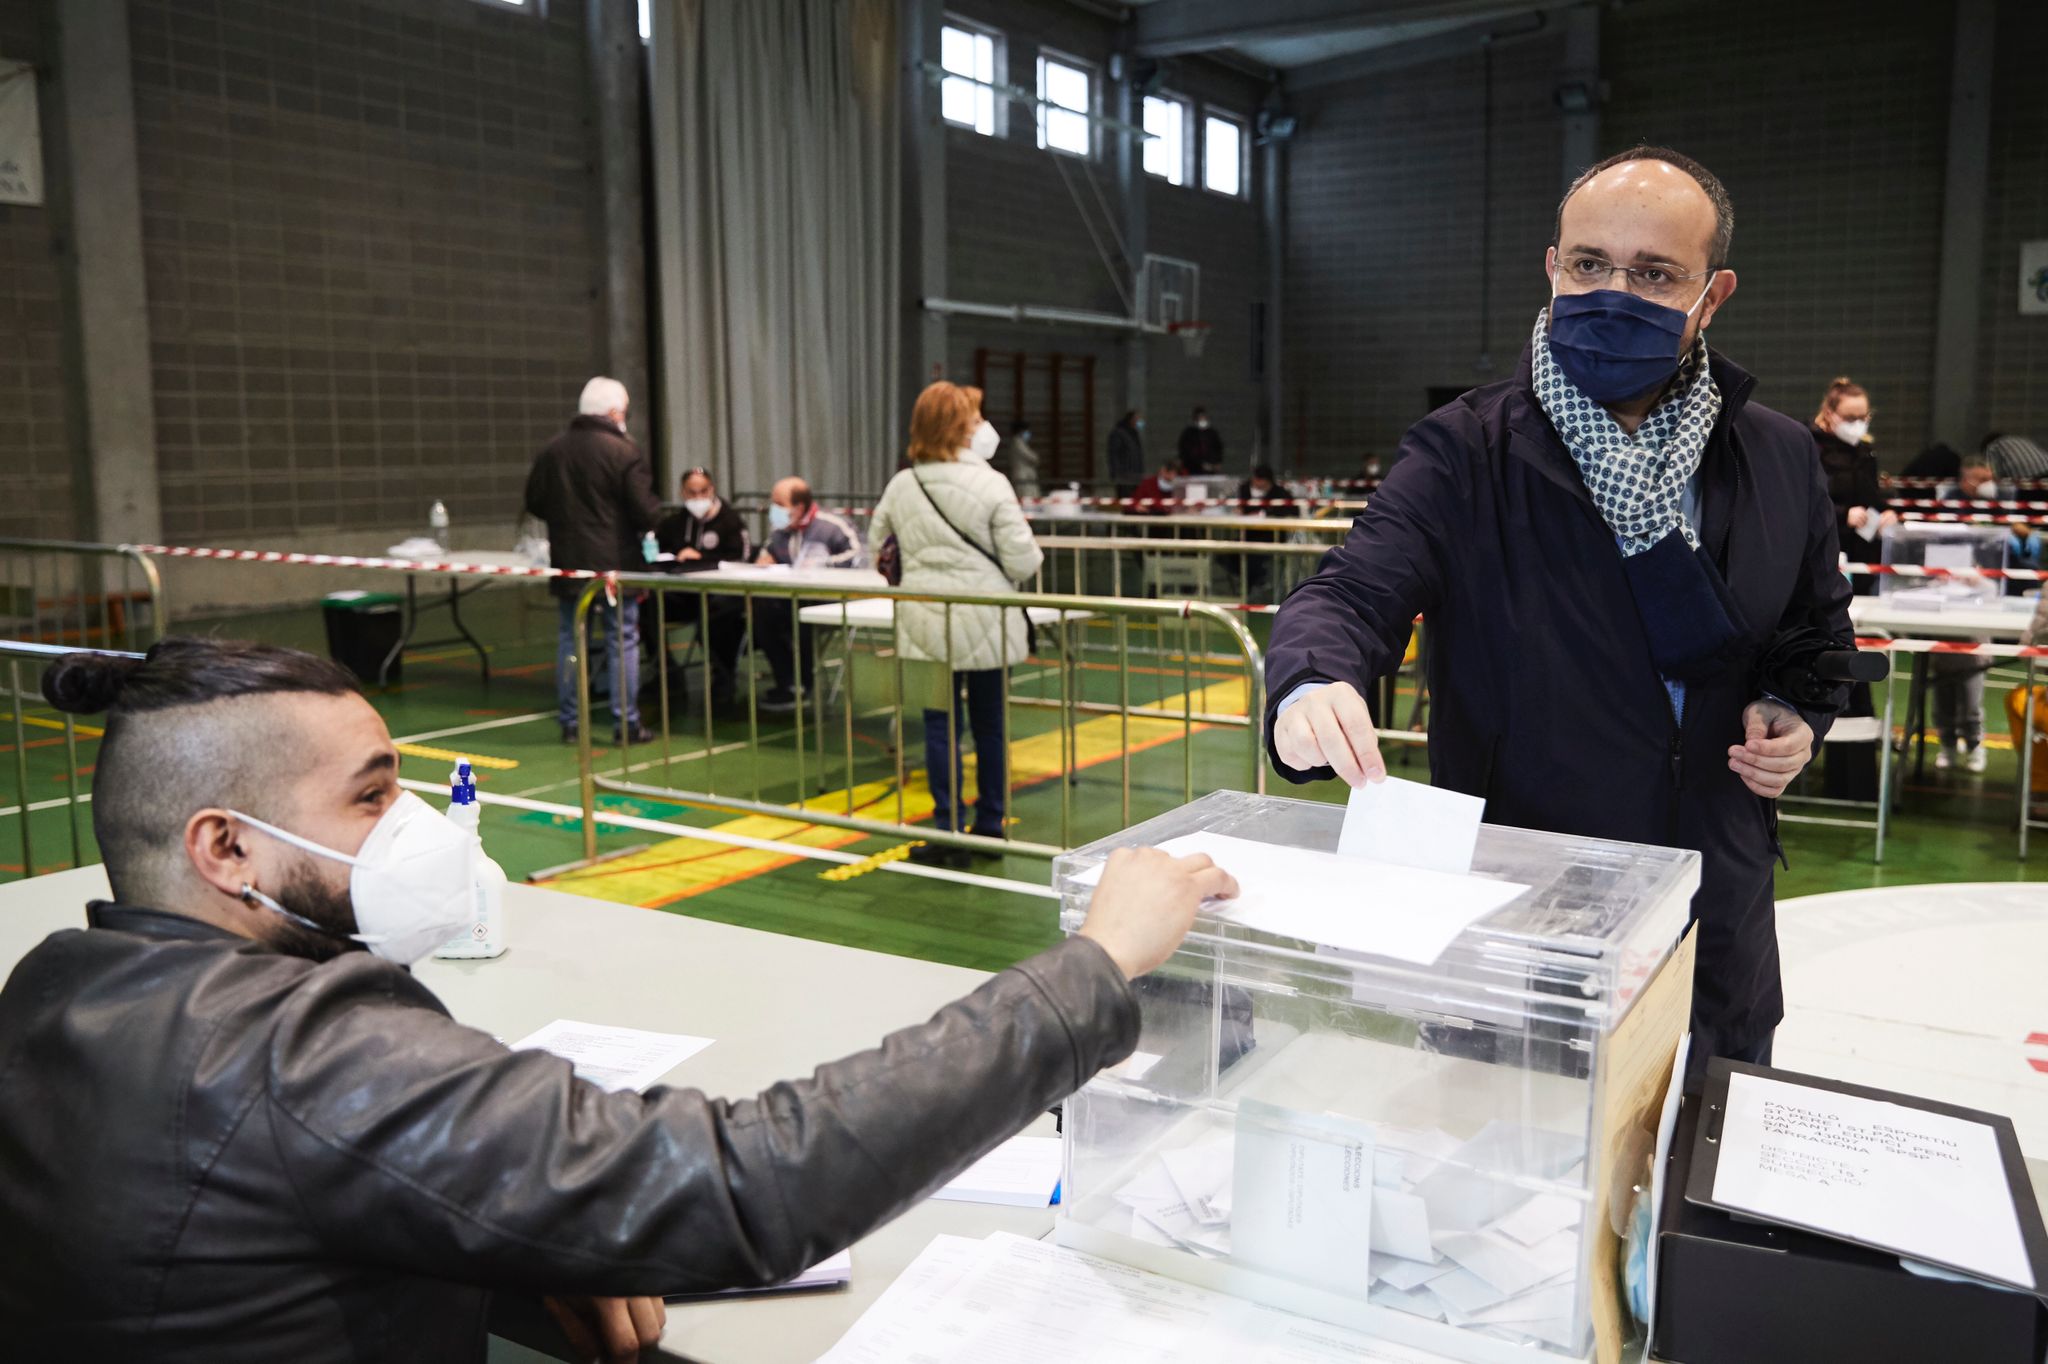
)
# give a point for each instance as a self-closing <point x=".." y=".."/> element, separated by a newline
<point x="1414" y="1220"/>
<point x="834" y="1271"/>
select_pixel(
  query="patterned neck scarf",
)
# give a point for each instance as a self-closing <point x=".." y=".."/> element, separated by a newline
<point x="1638" y="482"/>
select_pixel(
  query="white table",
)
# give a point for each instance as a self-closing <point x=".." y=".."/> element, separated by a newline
<point x="879" y="613"/>
<point x="776" y="1005"/>
<point x="1976" y="622"/>
<point x="458" y="588"/>
<point x="831" y="579"/>
<point x="1929" y="990"/>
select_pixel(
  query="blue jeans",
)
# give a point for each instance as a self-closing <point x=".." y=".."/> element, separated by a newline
<point x="982" y="715"/>
<point x="619" y="628"/>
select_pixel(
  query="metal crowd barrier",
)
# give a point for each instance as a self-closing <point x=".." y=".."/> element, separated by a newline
<point x="38" y="655"/>
<point x="1177" y="567"/>
<point x="86" y="596"/>
<point x="854" y="607"/>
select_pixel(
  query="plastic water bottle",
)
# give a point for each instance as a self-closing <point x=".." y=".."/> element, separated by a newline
<point x="485" y="936"/>
<point x="650" y="548"/>
<point x="437" y="524"/>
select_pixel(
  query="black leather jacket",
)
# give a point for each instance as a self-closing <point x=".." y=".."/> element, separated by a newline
<point x="213" y="1151"/>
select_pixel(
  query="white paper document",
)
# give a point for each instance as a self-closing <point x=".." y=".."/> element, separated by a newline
<point x="1963" y="555"/>
<point x="1021" y="1173"/>
<point x="1919" y="1184"/>
<point x="1412" y="824"/>
<point x="616" y="1058"/>
<point x="1008" y="1300"/>
<point x="1348" y="903"/>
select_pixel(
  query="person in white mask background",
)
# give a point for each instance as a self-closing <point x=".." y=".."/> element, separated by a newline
<point x="705" y="533"/>
<point x="239" y="1130"/>
<point x="1201" y="445"/>
<point x="959" y="529"/>
<point x="1841" y="438"/>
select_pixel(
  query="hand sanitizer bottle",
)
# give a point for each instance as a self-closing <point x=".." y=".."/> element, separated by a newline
<point x="485" y="936"/>
<point x="650" y="548"/>
<point x="437" y="523"/>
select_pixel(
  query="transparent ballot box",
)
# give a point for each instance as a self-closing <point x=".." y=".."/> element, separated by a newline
<point x="1937" y="544"/>
<point x="1439" y="1154"/>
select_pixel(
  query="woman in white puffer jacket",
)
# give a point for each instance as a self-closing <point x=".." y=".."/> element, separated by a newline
<point x="959" y="529"/>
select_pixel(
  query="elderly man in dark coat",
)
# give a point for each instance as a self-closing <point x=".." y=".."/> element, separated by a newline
<point x="1609" y="551"/>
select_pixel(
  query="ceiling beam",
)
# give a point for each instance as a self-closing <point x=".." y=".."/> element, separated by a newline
<point x="1399" y="56"/>
<point x="1175" y="27"/>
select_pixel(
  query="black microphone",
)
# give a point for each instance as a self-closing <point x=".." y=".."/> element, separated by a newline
<point x="1851" y="665"/>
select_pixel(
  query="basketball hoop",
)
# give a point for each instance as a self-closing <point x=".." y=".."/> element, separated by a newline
<point x="1193" y="336"/>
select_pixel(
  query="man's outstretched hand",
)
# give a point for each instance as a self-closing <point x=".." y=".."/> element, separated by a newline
<point x="611" y="1330"/>
<point x="1331" y="727"/>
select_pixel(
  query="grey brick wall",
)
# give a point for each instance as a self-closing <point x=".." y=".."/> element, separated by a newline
<point x="1828" y="122"/>
<point x="370" y="256"/>
<point x="35" y="456"/>
<point x="1014" y="235"/>
<point x="1387" y="279"/>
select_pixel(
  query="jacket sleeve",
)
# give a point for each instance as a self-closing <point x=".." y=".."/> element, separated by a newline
<point x="1016" y="547"/>
<point x="415" y="1143"/>
<point x="1351" y="621"/>
<point x="1820" y="599"/>
<point x="536" y="487"/>
<point x="636" y="493"/>
<point x="882" y="524"/>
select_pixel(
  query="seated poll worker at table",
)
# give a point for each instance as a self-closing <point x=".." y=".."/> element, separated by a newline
<point x="1613" y="549"/>
<point x="707" y="532"/>
<point x="233" y="1127"/>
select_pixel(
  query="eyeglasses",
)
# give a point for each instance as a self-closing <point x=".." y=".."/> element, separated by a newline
<point x="1659" y="283"/>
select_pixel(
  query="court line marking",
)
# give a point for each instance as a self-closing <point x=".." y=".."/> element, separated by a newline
<point x="502" y="722"/>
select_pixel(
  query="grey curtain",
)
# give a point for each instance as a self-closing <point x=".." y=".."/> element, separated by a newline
<point x="775" y="144"/>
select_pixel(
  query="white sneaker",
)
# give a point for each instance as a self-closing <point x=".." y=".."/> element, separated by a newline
<point x="1976" y="759"/>
<point x="1942" y="761"/>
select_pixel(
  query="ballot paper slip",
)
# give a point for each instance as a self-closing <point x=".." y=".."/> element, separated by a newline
<point x="1348" y="903"/>
<point x="1923" y="1185"/>
<point x="1323" y="1200"/>
<point x="1412" y="824"/>
<point x="615" y="1058"/>
<point x="1008" y="1300"/>
<point x="1021" y="1173"/>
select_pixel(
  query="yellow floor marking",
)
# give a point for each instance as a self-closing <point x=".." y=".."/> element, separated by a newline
<point x="449" y="755"/>
<point x="678" y="868"/>
<point x="38" y="722"/>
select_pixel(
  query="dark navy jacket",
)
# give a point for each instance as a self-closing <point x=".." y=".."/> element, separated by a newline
<point x="1543" y="697"/>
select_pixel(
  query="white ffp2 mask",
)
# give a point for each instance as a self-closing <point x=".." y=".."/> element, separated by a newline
<point x="982" y="444"/>
<point x="699" y="507"/>
<point x="411" y="883"/>
<point x="1851" y="433"/>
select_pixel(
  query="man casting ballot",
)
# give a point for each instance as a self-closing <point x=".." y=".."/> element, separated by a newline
<point x="1611" y="549"/>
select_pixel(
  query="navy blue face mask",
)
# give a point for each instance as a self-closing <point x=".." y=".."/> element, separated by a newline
<point x="1614" y="345"/>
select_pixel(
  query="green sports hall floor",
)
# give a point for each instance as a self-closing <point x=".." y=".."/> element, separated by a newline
<point x="1953" y="827"/>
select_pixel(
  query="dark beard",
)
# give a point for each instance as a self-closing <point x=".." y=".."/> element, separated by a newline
<point x="305" y="894"/>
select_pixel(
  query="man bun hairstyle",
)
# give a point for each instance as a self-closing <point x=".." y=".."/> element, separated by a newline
<point x="1716" y="192"/>
<point x="182" y="671"/>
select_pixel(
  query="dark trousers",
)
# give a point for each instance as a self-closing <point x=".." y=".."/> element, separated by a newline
<point x="979" y="713"/>
<point x="787" y="652"/>
<point x="722" y="623"/>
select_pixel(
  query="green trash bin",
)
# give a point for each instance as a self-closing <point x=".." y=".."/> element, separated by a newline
<point x="362" y="628"/>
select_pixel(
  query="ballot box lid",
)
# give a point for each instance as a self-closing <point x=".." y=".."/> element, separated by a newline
<point x="1597" y="920"/>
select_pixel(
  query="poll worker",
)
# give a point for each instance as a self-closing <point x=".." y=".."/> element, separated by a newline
<point x="1201" y="444"/>
<point x="1607" y="550"/>
<point x="593" y="487"/>
<point x="801" y="535"/>
<point x="707" y="532"/>
<point x="239" y="1129"/>
<point x="1127" y="453"/>
<point x="1841" y="437"/>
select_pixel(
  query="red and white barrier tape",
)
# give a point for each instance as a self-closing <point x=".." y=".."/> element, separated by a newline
<point x="1953" y="646"/>
<point x="2024" y="484"/>
<point x="1936" y="504"/>
<point x="278" y="556"/>
<point x="1972" y="518"/>
<point x="2023" y="575"/>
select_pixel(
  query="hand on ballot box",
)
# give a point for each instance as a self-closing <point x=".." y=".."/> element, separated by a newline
<point x="1146" y="903"/>
<point x="614" y="1330"/>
